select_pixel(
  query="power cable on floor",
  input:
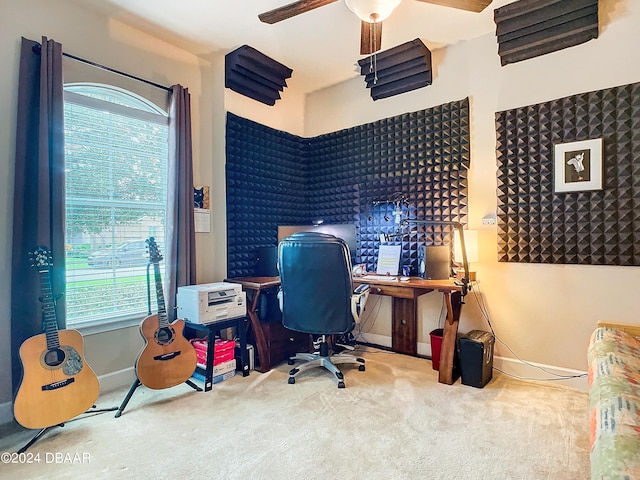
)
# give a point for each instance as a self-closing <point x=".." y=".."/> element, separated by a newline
<point x="485" y="314"/>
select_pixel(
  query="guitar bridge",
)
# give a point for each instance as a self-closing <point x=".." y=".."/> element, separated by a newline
<point x="166" y="356"/>
<point x="56" y="385"/>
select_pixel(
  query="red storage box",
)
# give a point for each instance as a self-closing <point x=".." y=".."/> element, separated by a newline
<point x="224" y="350"/>
<point x="200" y="344"/>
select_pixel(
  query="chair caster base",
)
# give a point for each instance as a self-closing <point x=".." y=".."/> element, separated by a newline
<point x="329" y="362"/>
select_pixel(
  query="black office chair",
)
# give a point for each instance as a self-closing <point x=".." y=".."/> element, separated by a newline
<point x="317" y="297"/>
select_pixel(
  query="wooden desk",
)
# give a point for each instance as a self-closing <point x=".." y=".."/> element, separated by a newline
<point x="254" y="286"/>
<point x="274" y="342"/>
<point x="404" y="315"/>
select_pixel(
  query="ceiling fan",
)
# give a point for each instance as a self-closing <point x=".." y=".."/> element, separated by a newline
<point x="370" y="12"/>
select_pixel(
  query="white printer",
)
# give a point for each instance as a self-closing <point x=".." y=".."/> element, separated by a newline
<point x="211" y="302"/>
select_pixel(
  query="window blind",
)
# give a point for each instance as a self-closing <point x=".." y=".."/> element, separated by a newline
<point x="116" y="150"/>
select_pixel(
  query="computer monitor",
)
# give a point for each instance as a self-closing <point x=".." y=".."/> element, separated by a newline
<point x="345" y="231"/>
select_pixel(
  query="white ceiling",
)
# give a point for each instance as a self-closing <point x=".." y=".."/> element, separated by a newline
<point x="321" y="46"/>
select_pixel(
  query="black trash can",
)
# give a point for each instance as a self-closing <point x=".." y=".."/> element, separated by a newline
<point x="476" y="358"/>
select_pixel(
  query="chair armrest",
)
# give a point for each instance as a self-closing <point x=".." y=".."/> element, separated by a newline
<point x="630" y="328"/>
<point x="358" y="300"/>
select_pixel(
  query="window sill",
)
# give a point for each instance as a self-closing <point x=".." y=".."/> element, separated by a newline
<point x="100" y="326"/>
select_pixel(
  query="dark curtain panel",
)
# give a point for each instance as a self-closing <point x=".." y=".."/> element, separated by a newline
<point x="181" y="243"/>
<point x="38" y="208"/>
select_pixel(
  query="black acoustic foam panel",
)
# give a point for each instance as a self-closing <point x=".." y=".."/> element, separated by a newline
<point x="266" y="187"/>
<point x="536" y="225"/>
<point x="530" y="28"/>
<point x="398" y="70"/>
<point x="276" y="178"/>
<point x="254" y="75"/>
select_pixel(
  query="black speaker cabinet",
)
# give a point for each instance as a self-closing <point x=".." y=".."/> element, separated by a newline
<point x="476" y="358"/>
<point x="434" y="262"/>
<point x="267" y="262"/>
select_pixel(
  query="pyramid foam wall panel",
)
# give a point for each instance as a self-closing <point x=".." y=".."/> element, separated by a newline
<point x="274" y="178"/>
<point x="536" y="225"/>
<point x="266" y="187"/>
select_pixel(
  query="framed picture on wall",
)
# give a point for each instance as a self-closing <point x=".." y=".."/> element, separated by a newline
<point x="578" y="166"/>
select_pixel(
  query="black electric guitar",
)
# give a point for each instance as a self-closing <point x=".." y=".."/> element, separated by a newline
<point x="167" y="358"/>
<point x="57" y="383"/>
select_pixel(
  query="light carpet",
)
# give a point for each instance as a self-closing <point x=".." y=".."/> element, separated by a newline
<point x="393" y="421"/>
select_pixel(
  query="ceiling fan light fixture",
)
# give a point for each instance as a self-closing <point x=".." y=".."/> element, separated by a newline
<point x="372" y="11"/>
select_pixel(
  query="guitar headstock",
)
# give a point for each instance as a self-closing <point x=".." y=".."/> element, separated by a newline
<point x="41" y="258"/>
<point x="154" y="251"/>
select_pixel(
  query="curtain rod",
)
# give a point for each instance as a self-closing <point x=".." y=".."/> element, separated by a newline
<point x="37" y="47"/>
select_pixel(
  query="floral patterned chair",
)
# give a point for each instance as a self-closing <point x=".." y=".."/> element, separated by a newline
<point x="614" y="401"/>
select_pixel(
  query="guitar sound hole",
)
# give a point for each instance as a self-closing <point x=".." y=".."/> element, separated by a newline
<point x="164" y="336"/>
<point x="55" y="357"/>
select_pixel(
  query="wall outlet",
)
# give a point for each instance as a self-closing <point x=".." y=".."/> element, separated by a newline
<point x="489" y="220"/>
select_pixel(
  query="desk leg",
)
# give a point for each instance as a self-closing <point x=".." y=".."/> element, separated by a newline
<point x="447" y="351"/>
<point x="256" y="326"/>
<point x="404" y="335"/>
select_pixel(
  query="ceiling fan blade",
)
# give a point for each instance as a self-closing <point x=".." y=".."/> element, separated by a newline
<point x="291" y="10"/>
<point x="470" y="5"/>
<point x="370" y="37"/>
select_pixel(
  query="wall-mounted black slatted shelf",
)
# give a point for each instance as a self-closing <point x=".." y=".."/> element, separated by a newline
<point x="255" y="75"/>
<point x="530" y="28"/>
<point x="398" y="70"/>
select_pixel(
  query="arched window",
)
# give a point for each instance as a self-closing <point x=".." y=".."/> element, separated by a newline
<point x="116" y="154"/>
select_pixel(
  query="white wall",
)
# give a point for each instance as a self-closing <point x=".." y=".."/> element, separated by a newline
<point x="286" y="115"/>
<point x="105" y="41"/>
<point x="537" y="309"/>
<point x="545" y="313"/>
<point x="101" y="38"/>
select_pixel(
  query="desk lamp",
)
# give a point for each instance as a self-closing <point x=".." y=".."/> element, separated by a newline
<point x="471" y="246"/>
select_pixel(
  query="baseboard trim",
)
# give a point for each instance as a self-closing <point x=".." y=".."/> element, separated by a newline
<point x="531" y="371"/>
<point x="124" y="378"/>
<point x="108" y="383"/>
<point x="375" y="339"/>
<point x="510" y="366"/>
<point x="424" y="349"/>
<point x="117" y="380"/>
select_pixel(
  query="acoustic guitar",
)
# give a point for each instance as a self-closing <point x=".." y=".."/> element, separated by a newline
<point x="167" y="358"/>
<point x="57" y="383"/>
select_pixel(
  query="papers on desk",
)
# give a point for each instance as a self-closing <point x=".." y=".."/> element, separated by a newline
<point x="380" y="277"/>
<point x="388" y="260"/>
<point x="388" y="278"/>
